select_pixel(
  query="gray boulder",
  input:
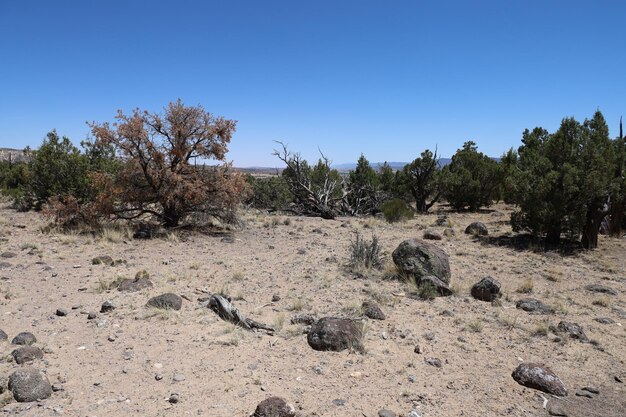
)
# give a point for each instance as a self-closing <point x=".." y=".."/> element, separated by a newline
<point x="574" y="330"/>
<point x="335" y="334"/>
<point x="432" y="235"/>
<point x="27" y="354"/>
<point x="419" y="259"/>
<point x="141" y="281"/>
<point x="602" y="289"/>
<point x="372" y="310"/>
<point x="24" y="338"/>
<point x="487" y="289"/>
<point x="534" y="306"/>
<point x="540" y="377"/>
<point x="477" y="229"/>
<point x="29" y="384"/>
<point x="274" y="407"/>
<point x="167" y="301"/>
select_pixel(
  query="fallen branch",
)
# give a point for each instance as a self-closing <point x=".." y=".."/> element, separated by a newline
<point x="228" y="312"/>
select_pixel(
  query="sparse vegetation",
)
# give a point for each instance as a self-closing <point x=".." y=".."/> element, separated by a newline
<point x="396" y="210"/>
<point x="365" y="255"/>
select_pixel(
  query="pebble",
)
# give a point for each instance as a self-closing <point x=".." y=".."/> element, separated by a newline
<point x="179" y="377"/>
<point x="174" y="398"/>
<point x="433" y="362"/>
<point x="339" y="402"/>
<point x="318" y="370"/>
<point x="275" y="298"/>
<point x="386" y="413"/>
<point x="412" y="378"/>
<point x="61" y="312"/>
<point x="107" y="306"/>
<point x="91" y="316"/>
<point x="158" y="377"/>
<point x="414" y="413"/>
<point x="418" y="349"/>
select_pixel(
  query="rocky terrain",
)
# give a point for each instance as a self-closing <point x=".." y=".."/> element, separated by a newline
<point x="539" y="325"/>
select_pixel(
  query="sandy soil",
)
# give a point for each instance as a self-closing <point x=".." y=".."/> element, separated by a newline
<point x="109" y="366"/>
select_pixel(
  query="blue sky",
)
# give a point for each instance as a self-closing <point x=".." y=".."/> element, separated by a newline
<point x="388" y="79"/>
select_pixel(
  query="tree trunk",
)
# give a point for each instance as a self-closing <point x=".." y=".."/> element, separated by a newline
<point x="617" y="218"/>
<point x="553" y="237"/>
<point x="595" y="215"/>
<point x="171" y="217"/>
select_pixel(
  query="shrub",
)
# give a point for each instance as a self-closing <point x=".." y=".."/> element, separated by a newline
<point x="396" y="210"/>
<point x="365" y="255"/>
<point x="269" y="193"/>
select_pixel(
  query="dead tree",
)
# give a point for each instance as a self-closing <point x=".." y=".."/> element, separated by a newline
<point x="318" y="191"/>
<point x="228" y="312"/>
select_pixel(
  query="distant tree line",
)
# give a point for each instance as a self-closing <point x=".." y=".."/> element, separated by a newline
<point x="570" y="183"/>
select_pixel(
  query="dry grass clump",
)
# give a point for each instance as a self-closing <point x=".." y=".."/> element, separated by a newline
<point x="525" y="287"/>
<point x="365" y="255"/>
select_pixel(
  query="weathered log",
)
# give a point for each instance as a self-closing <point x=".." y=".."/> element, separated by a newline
<point x="228" y="312"/>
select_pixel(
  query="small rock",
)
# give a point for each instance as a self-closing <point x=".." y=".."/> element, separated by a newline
<point x="178" y="378"/>
<point x="339" y="402"/>
<point x="61" y="312"/>
<point x="602" y="289"/>
<point x="477" y="229"/>
<point x="436" y="362"/>
<point x="158" y="377"/>
<point x="418" y="349"/>
<point x="7" y="255"/>
<point x="24" y="338"/>
<point x="102" y="259"/>
<point x="91" y="316"/>
<point x="275" y="298"/>
<point x="3" y="335"/>
<point x="386" y="413"/>
<point x="574" y="330"/>
<point x="540" y="377"/>
<point x="592" y="390"/>
<point x="29" y="384"/>
<point x="141" y="281"/>
<point x="173" y="399"/>
<point x="274" y="407"/>
<point x="167" y="301"/>
<point x="583" y="393"/>
<point x="431" y="235"/>
<point x="414" y="413"/>
<point x="412" y="378"/>
<point x="605" y="320"/>
<point x="487" y="289"/>
<point x="318" y="370"/>
<point x="26" y="354"/>
<point x="449" y="232"/>
<point x="306" y="319"/>
<point x="107" y="306"/>
<point x="534" y="306"/>
<point x="335" y="334"/>
<point x="372" y="310"/>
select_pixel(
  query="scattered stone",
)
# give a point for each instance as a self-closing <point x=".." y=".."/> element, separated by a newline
<point x="178" y="378"/>
<point x="61" y="312"/>
<point x="414" y="413"/>
<point x="5" y="265"/>
<point x="141" y="281"/>
<point x="477" y="229"/>
<point x="418" y="349"/>
<point x="602" y="289"/>
<point x="386" y="413"/>
<point x="436" y="362"/>
<point x="274" y="407"/>
<point x="144" y="231"/>
<point x="107" y="306"/>
<point x="534" y="306"/>
<point x="424" y="262"/>
<point x="167" y="301"/>
<point x="28" y="384"/>
<point x="318" y="370"/>
<point x="372" y="310"/>
<point x="8" y="255"/>
<point x="102" y="260"/>
<point x="24" y="338"/>
<point x="339" y="402"/>
<point x="540" y="377"/>
<point x="449" y="232"/>
<point x="3" y="335"/>
<point x="431" y="235"/>
<point x="335" y="334"/>
<point x="592" y="390"/>
<point x="583" y="393"/>
<point x="158" y="377"/>
<point x="430" y="336"/>
<point x="574" y="330"/>
<point x="275" y="298"/>
<point x="173" y="399"/>
<point x="487" y="289"/>
<point x="605" y="320"/>
<point x="227" y="239"/>
<point x="128" y="354"/>
<point x="91" y="316"/>
<point x="26" y="354"/>
<point x="441" y="221"/>
<point x="305" y="319"/>
<point x="412" y="378"/>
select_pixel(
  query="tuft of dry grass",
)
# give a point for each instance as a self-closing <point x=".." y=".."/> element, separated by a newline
<point x="525" y="287"/>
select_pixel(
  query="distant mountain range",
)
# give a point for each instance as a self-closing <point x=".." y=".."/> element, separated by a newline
<point x="394" y="165"/>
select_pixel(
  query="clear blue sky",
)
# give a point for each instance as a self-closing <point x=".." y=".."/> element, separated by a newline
<point x="388" y="79"/>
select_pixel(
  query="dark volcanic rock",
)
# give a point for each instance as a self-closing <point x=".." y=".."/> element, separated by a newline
<point x="106" y="307"/>
<point x="26" y="354"/>
<point x="487" y="289"/>
<point x="372" y="310"/>
<point x="600" y="289"/>
<point x="574" y="330"/>
<point x="24" y="338"/>
<point x="605" y="320"/>
<point x="305" y="319"/>
<point x="441" y="221"/>
<point x="419" y="259"/>
<point x="477" y="229"/>
<point x="431" y="235"/>
<point x="436" y="362"/>
<point x="7" y="255"/>
<point x="103" y="259"/>
<point x="167" y="301"/>
<point x="534" y="306"/>
<point x="540" y="377"/>
<point x="335" y="334"/>
<point x="141" y="281"/>
<point x="3" y="335"/>
<point x="29" y="384"/>
<point x="274" y="407"/>
<point x="144" y="231"/>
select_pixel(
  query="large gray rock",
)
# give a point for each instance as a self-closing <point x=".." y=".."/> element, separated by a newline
<point x="574" y="330"/>
<point x="602" y="289"/>
<point x="540" y="377"/>
<point x="29" y="384"/>
<point x="418" y="259"/>
<point x="487" y="289"/>
<point x="26" y="354"/>
<point x="24" y="338"/>
<point x="167" y="301"/>
<point x="477" y="229"/>
<point x="335" y="334"/>
<point x="534" y="306"/>
<point x="274" y="407"/>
